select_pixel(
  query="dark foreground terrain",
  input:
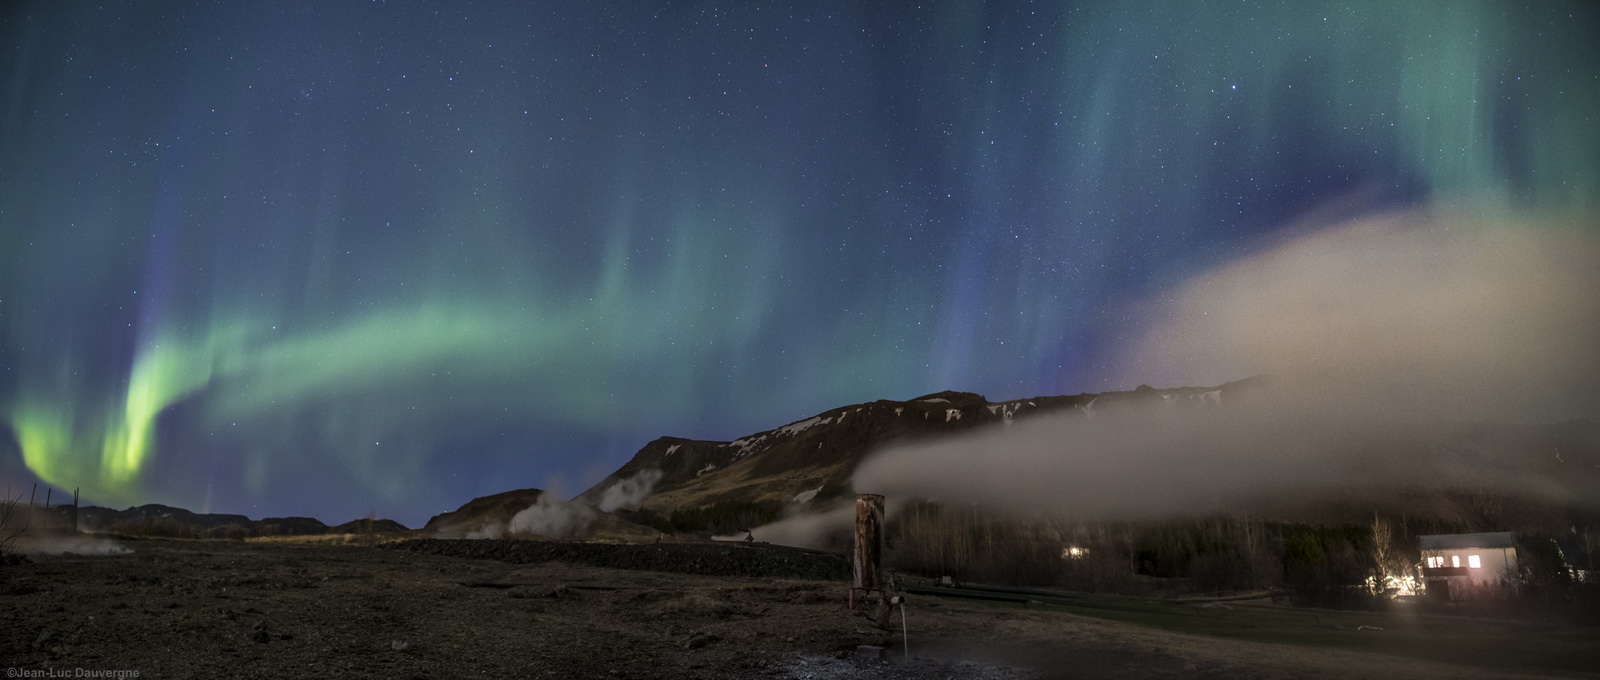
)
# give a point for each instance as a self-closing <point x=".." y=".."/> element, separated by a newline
<point x="213" y="609"/>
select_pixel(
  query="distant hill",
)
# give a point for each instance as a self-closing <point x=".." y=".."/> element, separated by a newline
<point x="165" y="520"/>
<point x="369" y="526"/>
<point x="814" y="458"/>
<point x="531" y="513"/>
<point x="481" y="514"/>
<point x="289" y="526"/>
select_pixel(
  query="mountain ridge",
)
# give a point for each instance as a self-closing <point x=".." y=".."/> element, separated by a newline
<point x="809" y="461"/>
<point x="815" y="457"/>
<point x="156" y="519"/>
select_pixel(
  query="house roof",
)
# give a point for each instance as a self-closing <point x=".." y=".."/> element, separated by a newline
<point x="1494" y="539"/>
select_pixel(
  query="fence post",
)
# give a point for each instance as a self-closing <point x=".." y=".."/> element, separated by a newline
<point x="868" y="547"/>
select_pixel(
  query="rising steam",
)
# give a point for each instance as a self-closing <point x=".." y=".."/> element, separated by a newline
<point x="56" y="544"/>
<point x="1459" y="317"/>
<point x="628" y="493"/>
<point x="551" y="517"/>
<point x="826" y="528"/>
<point x="1379" y="338"/>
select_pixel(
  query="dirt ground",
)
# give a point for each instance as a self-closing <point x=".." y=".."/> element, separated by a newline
<point x="218" y="609"/>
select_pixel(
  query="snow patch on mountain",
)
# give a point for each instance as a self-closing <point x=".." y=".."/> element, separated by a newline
<point x="802" y="426"/>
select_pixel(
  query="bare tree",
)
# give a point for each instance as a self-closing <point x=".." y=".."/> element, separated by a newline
<point x="1386" y="560"/>
<point x="13" y="522"/>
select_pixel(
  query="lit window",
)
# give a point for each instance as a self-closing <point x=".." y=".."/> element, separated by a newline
<point x="1472" y="561"/>
<point x="1455" y="560"/>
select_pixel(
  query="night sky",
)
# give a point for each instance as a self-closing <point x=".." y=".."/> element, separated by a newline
<point x="325" y="258"/>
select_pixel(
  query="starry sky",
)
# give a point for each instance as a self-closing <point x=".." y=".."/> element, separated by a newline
<point x="326" y="258"/>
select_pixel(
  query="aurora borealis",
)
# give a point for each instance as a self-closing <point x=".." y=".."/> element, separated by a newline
<point x="321" y="258"/>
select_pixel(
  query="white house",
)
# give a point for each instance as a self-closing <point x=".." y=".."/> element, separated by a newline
<point x="1453" y="562"/>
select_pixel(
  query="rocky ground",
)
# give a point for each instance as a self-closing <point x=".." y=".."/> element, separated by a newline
<point x="213" y="609"/>
<point x="757" y="560"/>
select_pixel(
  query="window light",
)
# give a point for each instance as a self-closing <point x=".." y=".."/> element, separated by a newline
<point x="1472" y="561"/>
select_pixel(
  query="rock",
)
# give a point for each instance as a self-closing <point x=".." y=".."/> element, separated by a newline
<point x="399" y="645"/>
<point x="699" y="640"/>
<point x="869" y="652"/>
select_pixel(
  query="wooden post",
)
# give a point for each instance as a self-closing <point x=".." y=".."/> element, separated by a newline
<point x="869" y="547"/>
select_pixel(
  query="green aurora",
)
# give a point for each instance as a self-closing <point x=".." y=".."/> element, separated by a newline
<point x="336" y="257"/>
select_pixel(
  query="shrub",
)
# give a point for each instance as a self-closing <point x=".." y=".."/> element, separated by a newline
<point x="724" y="517"/>
<point x="1327" y="566"/>
<point x="232" y="531"/>
<point x="155" y="527"/>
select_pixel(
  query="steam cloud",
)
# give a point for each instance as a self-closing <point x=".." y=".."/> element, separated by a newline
<point x="77" y="545"/>
<point x="628" y="493"/>
<point x="552" y="517"/>
<point x="1461" y="317"/>
<point x="824" y="529"/>
<point x="1377" y="337"/>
